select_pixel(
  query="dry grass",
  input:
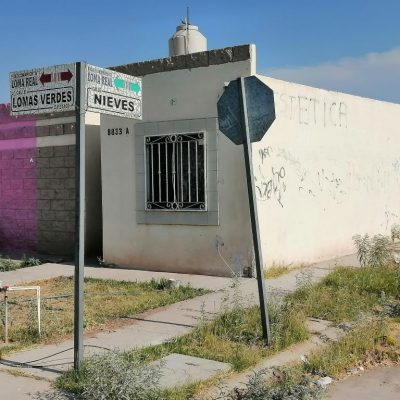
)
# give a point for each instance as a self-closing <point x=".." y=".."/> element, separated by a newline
<point x="235" y="337"/>
<point x="346" y="293"/>
<point x="276" y="270"/>
<point x="107" y="303"/>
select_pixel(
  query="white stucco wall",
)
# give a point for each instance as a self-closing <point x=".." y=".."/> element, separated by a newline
<point x="328" y="168"/>
<point x="183" y="95"/>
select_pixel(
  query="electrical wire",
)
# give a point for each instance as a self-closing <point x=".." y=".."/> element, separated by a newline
<point x="30" y="364"/>
<point x="225" y="262"/>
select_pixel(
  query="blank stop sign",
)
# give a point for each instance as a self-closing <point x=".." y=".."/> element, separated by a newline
<point x="260" y="110"/>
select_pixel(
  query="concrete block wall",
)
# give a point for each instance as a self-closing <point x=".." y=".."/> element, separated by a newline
<point x="18" y="197"/>
<point x="37" y="184"/>
<point x="55" y="183"/>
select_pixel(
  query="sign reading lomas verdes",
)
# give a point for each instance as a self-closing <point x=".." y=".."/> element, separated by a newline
<point x="110" y="92"/>
<point x="43" y="90"/>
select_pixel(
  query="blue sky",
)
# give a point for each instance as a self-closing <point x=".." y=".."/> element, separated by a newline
<point x="351" y="46"/>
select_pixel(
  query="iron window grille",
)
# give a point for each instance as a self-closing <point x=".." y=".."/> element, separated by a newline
<point x="175" y="172"/>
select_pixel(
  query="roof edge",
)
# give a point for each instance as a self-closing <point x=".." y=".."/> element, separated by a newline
<point x="187" y="61"/>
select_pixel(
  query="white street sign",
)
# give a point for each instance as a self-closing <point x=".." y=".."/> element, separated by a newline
<point x="43" y="90"/>
<point x="110" y="92"/>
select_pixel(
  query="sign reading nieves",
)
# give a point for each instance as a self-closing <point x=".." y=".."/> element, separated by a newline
<point x="110" y="92"/>
<point x="43" y="90"/>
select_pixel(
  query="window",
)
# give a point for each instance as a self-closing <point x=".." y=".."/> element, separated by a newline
<point x="175" y="172"/>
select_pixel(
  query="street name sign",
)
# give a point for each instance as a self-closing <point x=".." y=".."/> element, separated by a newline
<point x="43" y="90"/>
<point x="260" y="110"/>
<point x="110" y="92"/>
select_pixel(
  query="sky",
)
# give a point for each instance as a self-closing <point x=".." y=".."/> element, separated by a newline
<point x="346" y="45"/>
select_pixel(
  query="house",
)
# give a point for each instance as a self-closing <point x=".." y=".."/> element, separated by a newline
<point x="168" y="192"/>
<point x="174" y="190"/>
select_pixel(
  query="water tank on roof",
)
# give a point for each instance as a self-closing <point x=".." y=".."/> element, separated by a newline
<point x="187" y="39"/>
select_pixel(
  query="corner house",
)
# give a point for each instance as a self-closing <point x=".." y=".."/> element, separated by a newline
<point x="168" y="192"/>
<point x="173" y="186"/>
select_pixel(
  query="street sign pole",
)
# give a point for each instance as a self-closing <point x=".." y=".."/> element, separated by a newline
<point x="253" y="212"/>
<point x="76" y="87"/>
<point x="79" y="214"/>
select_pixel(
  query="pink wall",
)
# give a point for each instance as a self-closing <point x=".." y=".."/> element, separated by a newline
<point x="18" y="192"/>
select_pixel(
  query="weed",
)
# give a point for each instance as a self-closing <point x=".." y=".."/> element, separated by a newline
<point x="289" y="386"/>
<point x="345" y="293"/>
<point x="373" y="251"/>
<point x="235" y="336"/>
<point x="380" y="253"/>
<point x="29" y="262"/>
<point x="389" y="308"/>
<point x="276" y="271"/>
<point x="113" y="376"/>
<point x="6" y="264"/>
<point x="333" y="360"/>
<point x="161" y="284"/>
<point x="395" y="232"/>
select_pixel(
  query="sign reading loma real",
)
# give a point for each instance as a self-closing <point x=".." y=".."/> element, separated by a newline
<point x="53" y="89"/>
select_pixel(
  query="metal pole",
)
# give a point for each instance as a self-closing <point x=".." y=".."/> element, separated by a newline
<point x="79" y="214"/>
<point x="38" y="309"/>
<point x="6" y="317"/>
<point x="253" y="213"/>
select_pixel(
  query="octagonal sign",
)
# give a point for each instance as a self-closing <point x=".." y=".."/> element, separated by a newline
<point x="260" y="110"/>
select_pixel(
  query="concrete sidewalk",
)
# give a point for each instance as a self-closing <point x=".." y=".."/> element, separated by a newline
<point x="378" y="383"/>
<point x="152" y="327"/>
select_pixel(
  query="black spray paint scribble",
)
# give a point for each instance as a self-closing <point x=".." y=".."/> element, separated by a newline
<point x="320" y="181"/>
<point x="270" y="181"/>
<point x="264" y="153"/>
<point x="274" y="187"/>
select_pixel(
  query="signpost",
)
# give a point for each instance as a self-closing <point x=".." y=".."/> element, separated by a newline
<point x="246" y="110"/>
<point x="76" y="87"/>
<point x="43" y="90"/>
<point x="110" y="92"/>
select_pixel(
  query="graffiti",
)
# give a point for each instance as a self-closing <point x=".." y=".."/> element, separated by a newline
<point x="264" y="153"/>
<point x="274" y="187"/>
<point x="396" y="165"/>
<point x="331" y="179"/>
<point x="311" y="111"/>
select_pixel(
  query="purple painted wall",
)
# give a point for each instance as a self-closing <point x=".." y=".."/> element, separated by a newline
<point x="18" y="193"/>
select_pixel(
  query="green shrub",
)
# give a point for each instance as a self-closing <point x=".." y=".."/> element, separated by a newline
<point x="29" y="262"/>
<point x="6" y="264"/>
<point x="113" y="375"/>
<point x="290" y="386"/>
<point x="373" y="251"/>
<point x="395" y="231"/>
